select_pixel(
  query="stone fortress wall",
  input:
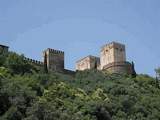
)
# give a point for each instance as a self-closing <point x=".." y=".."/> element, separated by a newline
<point x="54" y="60"/>
<point x="119" y="67"/>
<point x="112" y="59"/>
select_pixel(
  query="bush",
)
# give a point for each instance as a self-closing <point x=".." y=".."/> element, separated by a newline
<point x="17" y="65"/>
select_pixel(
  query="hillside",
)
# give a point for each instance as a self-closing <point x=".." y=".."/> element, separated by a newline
<point x="27" y="92"/>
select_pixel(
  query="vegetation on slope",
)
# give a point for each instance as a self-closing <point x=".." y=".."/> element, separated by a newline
<point x="28" y="93"/>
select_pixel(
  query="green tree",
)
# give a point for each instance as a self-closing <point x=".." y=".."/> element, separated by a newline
<point x="157" y="73"/>
<point x="17" y="64"/>
<point x="3" y="57"/>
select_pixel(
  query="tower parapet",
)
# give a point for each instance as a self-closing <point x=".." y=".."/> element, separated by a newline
<point x="55" y="51"/>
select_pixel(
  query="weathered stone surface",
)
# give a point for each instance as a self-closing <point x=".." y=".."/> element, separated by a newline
<point x="55" y="59"/>
<point x="112" y="59"/>
<point x="119" y="67"/>
<point x="89" y="62"/>
<point x="112" y="52"/>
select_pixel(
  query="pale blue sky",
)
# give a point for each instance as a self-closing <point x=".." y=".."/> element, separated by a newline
<point x="81" y="27"/>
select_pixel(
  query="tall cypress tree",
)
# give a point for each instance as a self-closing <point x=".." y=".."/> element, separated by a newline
<point x="157" y="77"/>
<point x="45" y="63"/>
<point x="134" y="74"/>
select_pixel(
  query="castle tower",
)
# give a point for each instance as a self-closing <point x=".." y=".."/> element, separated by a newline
<point x="54" y="59"/>
<point x="112" y="53"/>
<point x="113" y="59"/>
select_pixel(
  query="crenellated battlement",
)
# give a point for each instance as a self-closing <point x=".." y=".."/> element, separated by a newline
<point x="113" y="45"/>
<point x="55" y="51"/>
<point x="36" y="62"/>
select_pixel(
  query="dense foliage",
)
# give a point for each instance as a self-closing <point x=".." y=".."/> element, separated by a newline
<point x="30" y="94"/>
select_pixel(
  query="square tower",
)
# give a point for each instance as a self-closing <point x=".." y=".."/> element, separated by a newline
<point x="54" y="59"/>
<point x="112" y="53"/>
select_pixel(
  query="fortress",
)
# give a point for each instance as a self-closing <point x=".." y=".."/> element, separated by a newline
<point x="112" y="59"/>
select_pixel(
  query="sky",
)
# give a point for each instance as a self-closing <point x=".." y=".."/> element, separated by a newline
<point x="81" y="27"/>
